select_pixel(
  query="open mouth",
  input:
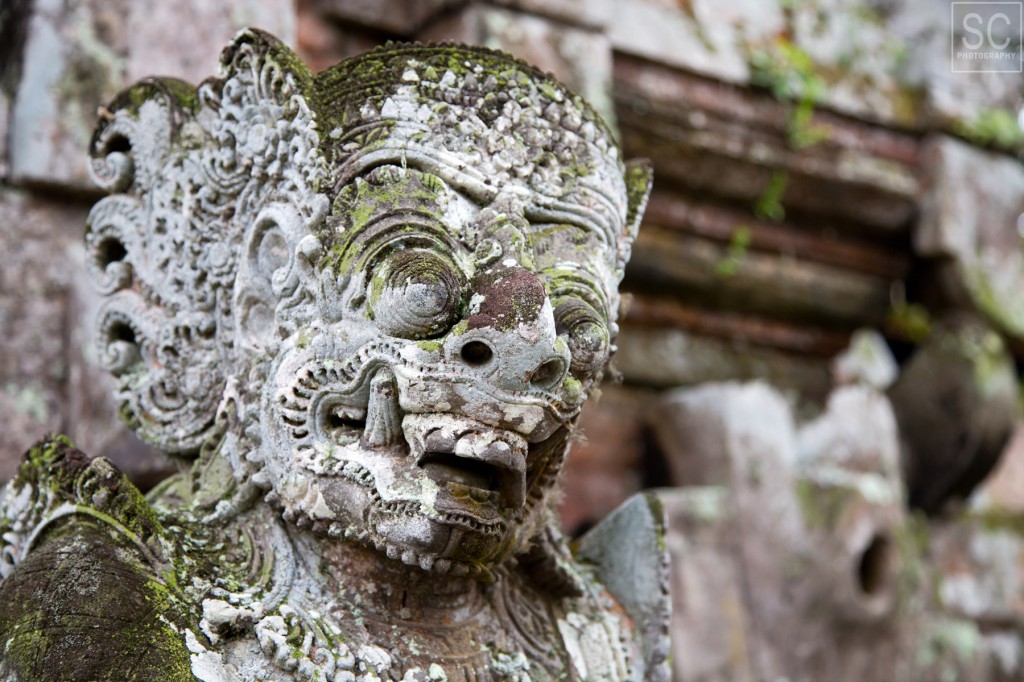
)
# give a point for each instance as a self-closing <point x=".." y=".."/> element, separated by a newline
<point x="342" y="423"/>
<point x="464" y="477"/>
<point x="468" y="459"/>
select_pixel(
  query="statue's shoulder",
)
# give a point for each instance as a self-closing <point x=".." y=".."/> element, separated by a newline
<point x="628" y="556"/>
<point x="82" y="593"/>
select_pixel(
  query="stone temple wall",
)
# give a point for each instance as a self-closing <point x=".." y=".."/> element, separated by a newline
<point x="822" y="170"/>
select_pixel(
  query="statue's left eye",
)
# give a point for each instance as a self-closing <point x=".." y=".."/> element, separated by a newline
<point x="415" y="293"/>
<point x="586" y="334"/>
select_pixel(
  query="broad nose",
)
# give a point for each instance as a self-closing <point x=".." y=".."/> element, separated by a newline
<point x="509" y="336"/>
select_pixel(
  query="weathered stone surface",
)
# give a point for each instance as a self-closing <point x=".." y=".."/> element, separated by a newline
<point x="69" y="71"/>
<point x="5" y="111"/>
<point x="713" y="138"/>
<point x="755" y="281"/>
<point x="639" y="578"/>
<point x="710" y="622"/>
<point x="750" y="431"/>
<point x="400" y="17"/>
<point x="78" y="55"/>
<point x="152" y="49"/>
<point x="837" y="438"/>
<point x="819" y="534"/>
<point x="956" y="402"/>
<point x="591" y="13"/>
<point x="954" y="101"/>
<point x="1002" y="492"/>
<point x="978" y="588"/>
<point x="92" y="418"/>
<point x="977" y="566"/>
<point x="701" y="36"/>
<point x="667" y="358"/>
<point x="971" y="212"/>
<point x="868" y="361"/>
<point x="50" y="376"/>
<point x="33" y="321"/>
<point x="846" y="48"/>
<point x="581" y="58"/>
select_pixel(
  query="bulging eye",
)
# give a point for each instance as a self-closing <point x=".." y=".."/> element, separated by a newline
<point x="585" y="333"/>
<point x="415" y="293"/>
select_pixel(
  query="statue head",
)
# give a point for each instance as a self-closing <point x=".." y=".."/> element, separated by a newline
<point x="380" y="294"/>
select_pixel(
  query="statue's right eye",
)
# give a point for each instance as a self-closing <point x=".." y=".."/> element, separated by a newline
<point x="415" y="293"/>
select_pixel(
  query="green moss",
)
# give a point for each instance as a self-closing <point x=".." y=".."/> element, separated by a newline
<point x="822" y="506"/>
<point x="430" y="345"/>
<point x="572" y="388"/>
<point x="769" y="205"/>
<point x="788" y="71"/>
<point x="910" y="321"/>
<point x="996" y="128"/>
<point x="996" y="520"/>
<point x="739" y="244"/>
<point x="105" y="616"/>
<point x="948" y="642"/>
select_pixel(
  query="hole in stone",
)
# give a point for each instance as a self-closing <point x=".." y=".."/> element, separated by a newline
<point x="111" y="251"/>
<point x="447" y="467"/>
<point x="873" y="568"/>
<point x="121" y="331"/>
<point x="119" y="143"/>
<point x="476" y="353"/>
<point x="548" y="373"/>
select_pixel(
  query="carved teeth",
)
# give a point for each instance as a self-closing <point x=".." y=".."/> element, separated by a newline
<point x="442" y="565"/>
<point x="460" y="569"/>
<point x="427" y="562"/>
<point x="439" y="441"/>
<point x="393" y="552"/>
<point x="409" y="558"/>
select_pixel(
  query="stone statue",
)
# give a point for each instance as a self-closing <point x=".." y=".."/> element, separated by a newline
<point x="363" y="309"/>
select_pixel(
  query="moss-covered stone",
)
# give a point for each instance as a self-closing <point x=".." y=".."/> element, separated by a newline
<point x="84" y="607"/>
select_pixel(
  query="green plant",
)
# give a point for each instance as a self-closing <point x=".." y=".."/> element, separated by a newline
<point x="769" y="205"/>
<point x="992" y="128"/>
<point x="788" y="71"/>
<point x="912" y="321"/>
<point x="739" y="244"/>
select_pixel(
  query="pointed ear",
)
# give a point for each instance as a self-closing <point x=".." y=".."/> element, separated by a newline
<point x="639" y="179"/>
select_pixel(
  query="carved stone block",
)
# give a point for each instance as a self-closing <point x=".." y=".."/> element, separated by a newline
<point x="972" y="212"/>
<point x="816" y="513"/>
<point x="78" y="55"/>
<point x="33" y="317"/>
<point x="590" y="13"/>
<point x="50" y="378"/>
<point x="399" y="17"/>
<point x="710" y="622"/>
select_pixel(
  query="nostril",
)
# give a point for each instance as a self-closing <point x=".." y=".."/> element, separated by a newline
<point x="476" y="353"/>
<point x="548" y="374"/>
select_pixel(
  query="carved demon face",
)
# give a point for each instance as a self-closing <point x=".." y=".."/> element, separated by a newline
<point x="421" y="303"/>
